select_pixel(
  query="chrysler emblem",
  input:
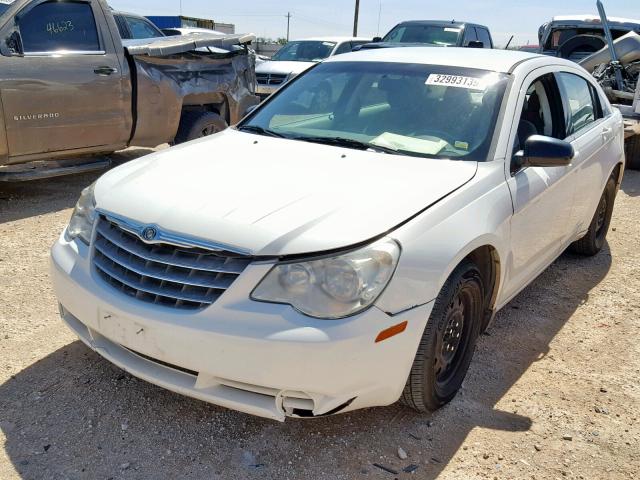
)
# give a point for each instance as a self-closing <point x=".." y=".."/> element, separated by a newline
<point x="149" y="233"/>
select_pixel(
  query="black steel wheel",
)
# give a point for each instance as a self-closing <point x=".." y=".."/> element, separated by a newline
<point x="596" y="236"/>
<point x="448" y="342"/>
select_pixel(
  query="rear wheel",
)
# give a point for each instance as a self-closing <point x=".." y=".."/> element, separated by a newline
<point x="448" y="341"/>
<point x="198" y="124"/>
<point x="632" y="151"/>
<point x="593" y="241"/>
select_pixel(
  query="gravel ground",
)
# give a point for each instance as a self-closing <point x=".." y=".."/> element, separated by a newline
<point x="552" y="393"/>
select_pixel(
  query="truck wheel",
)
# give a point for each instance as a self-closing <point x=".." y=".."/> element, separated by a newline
<point x="198" y="124"/>
<point x="448" y="341"/>
<point x="632" y="152"/>
<point x="593" y="241"/>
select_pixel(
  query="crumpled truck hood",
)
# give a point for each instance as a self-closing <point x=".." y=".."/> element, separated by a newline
<point x="164" y="46"/>
<point x="272" y="197"/>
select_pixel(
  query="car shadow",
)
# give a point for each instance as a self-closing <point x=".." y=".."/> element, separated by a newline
<point x="631" y="183"/>
<point x="74" y="415"/>
<point x="20" y="200"/>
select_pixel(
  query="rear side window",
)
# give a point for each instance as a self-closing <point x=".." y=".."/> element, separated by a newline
<point x="141" y="28"/>
<point x="62" y="25"/>
<point x="483" y="36"/>
<point x="580" y="108"/>
<point x="343" y="48"/>
<point x="469" y="36"/>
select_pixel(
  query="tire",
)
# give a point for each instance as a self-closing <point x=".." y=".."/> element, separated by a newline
<point x="593" y="241"/>
<point x="198" y="124"/>
<point x="437" y="371"/>
<point x="632" y="152"/>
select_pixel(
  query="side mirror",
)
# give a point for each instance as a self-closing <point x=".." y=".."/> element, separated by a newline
<point x="541" y="151"/>
<point x="376" y="39"/>
<point x="475" y="44"/>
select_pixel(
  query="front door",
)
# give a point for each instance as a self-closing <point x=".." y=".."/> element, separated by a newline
<point x="542" y="196"/>
<point x="62" y="85"/>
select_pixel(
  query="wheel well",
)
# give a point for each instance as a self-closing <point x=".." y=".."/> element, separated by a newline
<point x="488" y="262"/>
<point x="617" y="174"/>
<point x="218" y="108"/>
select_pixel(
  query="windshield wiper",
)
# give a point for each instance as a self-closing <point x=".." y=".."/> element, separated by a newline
<point x="260" y="131"/>
<point x="351" y="143"/>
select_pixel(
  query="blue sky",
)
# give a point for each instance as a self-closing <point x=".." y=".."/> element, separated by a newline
<point x="335" y="17"/>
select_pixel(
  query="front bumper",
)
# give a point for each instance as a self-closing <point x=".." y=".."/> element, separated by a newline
<point x="260" y="358"/>
<point x="263" y="91"/>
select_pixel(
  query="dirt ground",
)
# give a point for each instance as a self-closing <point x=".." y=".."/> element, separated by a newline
<point x="553" y="391"/>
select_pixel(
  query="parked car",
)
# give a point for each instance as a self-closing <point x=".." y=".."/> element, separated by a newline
<point x="297" y="56"/>
<point x="72" y="88"/>
<point x="135" y="27"/>
<point x="369" y="243"/>
<point x="172" y="32"/>
<point x="436" y="33"/>
<point x="529" y="48"/>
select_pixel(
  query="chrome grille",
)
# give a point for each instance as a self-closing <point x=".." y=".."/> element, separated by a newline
<point x="270" y="78"/>
<point x="160" y="273"/>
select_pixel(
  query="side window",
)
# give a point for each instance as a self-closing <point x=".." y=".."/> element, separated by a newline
<point x="483" y="36"/>
<point x="540" y="111"/>
<point x="580" y="109"/>
<point x="141" y="28"/>
<point x="343" y="48"/>
<point x="469" y="36"/>
<point x="122" y="27"/>
<point x="59" y="25"/>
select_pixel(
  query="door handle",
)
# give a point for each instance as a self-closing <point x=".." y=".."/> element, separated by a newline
<point x="104" y="71"/>
<point x="606" y="131"/>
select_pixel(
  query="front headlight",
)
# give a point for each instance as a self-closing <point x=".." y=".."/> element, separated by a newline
<point x="333" y="287"/>
<point x="83" y="216"/>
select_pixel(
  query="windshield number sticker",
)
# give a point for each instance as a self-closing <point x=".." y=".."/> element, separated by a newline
<point x="458" y="81"/>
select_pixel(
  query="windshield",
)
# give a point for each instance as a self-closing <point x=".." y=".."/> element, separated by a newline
<point x="410" y="109"/>
<point x="304" y="51"/>
<point x="430" y="34"/>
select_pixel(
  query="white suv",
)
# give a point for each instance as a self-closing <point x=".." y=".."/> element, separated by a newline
<point x="318" y="260"/>
<point x="297" y="56"/>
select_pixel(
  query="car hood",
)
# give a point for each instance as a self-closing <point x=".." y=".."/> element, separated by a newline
<point x="284" y="68"/>
<point x="269" y="196"/>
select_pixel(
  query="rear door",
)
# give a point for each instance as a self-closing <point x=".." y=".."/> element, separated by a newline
<point x="592" y="131"/>
<point x="65" y="88"/>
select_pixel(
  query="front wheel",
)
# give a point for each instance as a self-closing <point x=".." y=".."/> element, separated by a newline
<point x="593" y="241"/>
<point x="198" y="124"/>
<point x="448" y="341"/>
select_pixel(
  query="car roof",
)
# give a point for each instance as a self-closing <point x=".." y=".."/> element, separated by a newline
<point x="332" y="39"/>
<point x="479" y="58"/>
<point x="592" y="19"/>
<point x="439" y="23"/>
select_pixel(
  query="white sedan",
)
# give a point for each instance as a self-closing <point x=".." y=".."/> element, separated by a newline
<point x="319" y="260"/>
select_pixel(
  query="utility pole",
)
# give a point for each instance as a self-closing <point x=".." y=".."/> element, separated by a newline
<point x="288" y="24"/>
<point x="355" y="19"/>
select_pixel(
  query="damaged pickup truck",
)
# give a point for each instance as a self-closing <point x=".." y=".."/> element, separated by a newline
<point x="608" y="48"/>
<point x="72" y="91"/>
